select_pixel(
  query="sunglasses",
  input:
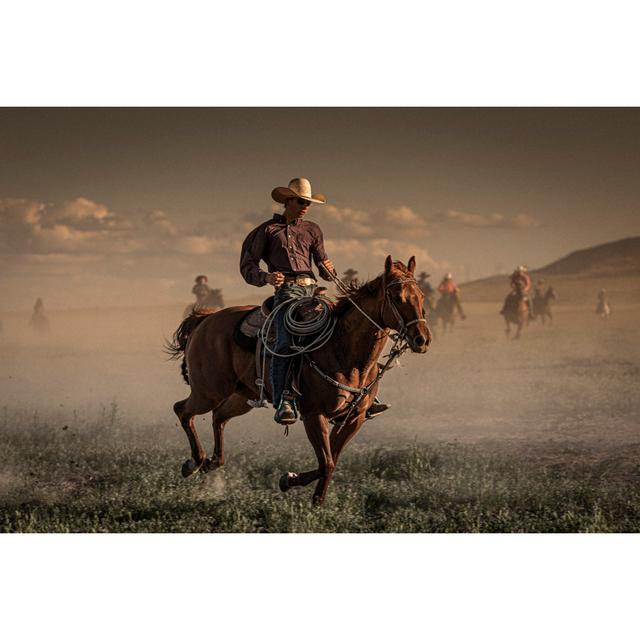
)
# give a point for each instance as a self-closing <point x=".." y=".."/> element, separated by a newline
<point x="302" y="202"/>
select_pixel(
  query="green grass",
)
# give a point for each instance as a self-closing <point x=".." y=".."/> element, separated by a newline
<point x="105" y="477"/>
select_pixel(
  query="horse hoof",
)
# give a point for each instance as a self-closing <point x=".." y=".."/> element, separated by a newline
<point x="284" y="481"/>
<point x="190" y="467"/>
<point x="210" y="464"/>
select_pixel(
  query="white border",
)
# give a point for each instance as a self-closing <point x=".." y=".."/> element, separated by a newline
<point x="319" y="586"/>
<point x="337" y="53"/>
<point x="197" y="53"/>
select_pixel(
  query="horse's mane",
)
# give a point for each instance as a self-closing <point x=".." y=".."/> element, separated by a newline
<point x="356" y="290"/>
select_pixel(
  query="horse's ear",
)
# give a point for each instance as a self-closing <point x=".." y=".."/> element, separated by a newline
<point x="411" y="265"/>
<point x="388" y="263"/>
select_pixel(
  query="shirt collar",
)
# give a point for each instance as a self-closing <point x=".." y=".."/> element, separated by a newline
<point x="278" y="217"/>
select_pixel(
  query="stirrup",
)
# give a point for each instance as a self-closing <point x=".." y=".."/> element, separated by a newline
<point x="288" y="417"/>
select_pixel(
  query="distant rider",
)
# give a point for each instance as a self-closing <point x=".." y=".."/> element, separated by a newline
<point x="427" y="289"/>
<point x="349" y="276"/>
<point x="538" y="292"/>
<point x="201" y="289"/>
<point x="603" y="309"/>
<point x="449" y="288"/>
<point x="520" y="281"/>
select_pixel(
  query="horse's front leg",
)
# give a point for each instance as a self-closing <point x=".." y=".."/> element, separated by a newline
<point x="317" y="428"/>
<point x="519" y="330"/>
<point x="341" y="434"/>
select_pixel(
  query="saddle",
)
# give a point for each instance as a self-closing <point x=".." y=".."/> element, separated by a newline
<point x="248" y="328"/>
<point x="246" y="331"/>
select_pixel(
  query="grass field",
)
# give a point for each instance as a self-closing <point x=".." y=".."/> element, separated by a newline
<point x="103" y="479"/>
<point x="485" y="435"/>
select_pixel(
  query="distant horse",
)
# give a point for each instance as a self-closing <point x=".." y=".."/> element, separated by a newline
<point x="542" y="305"/>
<point x="211" y="303"/>
<point x="516" y="311"/>
<point x="429" y="300"/>
<point x="338" y="383"/>
<point x="445" y="311"/>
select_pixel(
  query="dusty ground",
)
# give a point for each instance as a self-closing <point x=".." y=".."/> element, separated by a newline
<point x="477" y="418"/>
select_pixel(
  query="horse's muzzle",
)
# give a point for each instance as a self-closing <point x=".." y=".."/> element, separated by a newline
<point x="420" y="343"/>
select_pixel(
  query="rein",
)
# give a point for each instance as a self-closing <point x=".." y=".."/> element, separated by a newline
<point x="401" y="333"/>
<point x="399" y="338"/>
<point x="325" y="326"/>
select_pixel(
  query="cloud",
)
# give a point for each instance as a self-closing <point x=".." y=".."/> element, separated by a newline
<point x="202" y="245"/>
<point x="492" y="220"/>
<point x="404" y="217"/>
<point x="160" y="221"/>
<point x="80" y="247"/>
<point x="367" y="255"/>
<point x="73" y="226"/>
<point x="344" y="221"/>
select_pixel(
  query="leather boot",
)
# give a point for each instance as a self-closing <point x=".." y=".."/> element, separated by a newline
<point x="376" y="409"/>
<point x="285" y="413"/>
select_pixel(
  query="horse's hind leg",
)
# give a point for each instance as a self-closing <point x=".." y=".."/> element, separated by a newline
<point x="233" y="406"/>
<point x="186" y="410"/>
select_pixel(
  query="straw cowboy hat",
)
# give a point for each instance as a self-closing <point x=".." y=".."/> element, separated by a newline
<point x="297" y="188"/>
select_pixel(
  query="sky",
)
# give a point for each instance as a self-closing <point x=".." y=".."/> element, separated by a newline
<point x="126" y="206"/>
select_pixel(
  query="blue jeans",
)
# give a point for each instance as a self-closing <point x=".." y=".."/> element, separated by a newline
<point x="280" y="366"/>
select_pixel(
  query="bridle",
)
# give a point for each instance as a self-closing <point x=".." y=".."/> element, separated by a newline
<point x="401" y="332"/>
<point x="399" y="338"/>
<point x="402" y="325"/>
<point x="401" y="344"/>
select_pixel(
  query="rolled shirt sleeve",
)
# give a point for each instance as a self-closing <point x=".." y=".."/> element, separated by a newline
<point x="318" y="252"/>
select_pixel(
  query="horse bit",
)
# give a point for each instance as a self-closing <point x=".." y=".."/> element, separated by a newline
<point x="401" y="344"/>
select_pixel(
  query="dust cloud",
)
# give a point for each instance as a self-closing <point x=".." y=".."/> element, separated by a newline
<point x="574" y="381"/>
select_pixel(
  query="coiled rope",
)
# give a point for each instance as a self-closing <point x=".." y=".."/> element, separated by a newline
<point x="321" y="326"/>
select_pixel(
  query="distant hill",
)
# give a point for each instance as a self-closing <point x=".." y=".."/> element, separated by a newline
<point x="614" y="266"/>
<point x="620" y="258"/>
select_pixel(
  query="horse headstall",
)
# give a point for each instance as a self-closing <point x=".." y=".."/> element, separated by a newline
<point x="402" y="330"/>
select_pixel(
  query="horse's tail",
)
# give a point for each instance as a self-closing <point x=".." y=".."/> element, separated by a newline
<point x="175" y="349"/>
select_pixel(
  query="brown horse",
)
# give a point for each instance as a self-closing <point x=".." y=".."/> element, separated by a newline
<point x="516" y="311"/>
<point x="212" y="302"/>
<point x="542" y="305"/>
<point x="222" y="375"/>
<point x="445" y="311"/>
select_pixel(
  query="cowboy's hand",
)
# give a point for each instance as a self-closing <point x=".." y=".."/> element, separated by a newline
<point x="328" y="265"/>
<point x="276" y="278"/>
